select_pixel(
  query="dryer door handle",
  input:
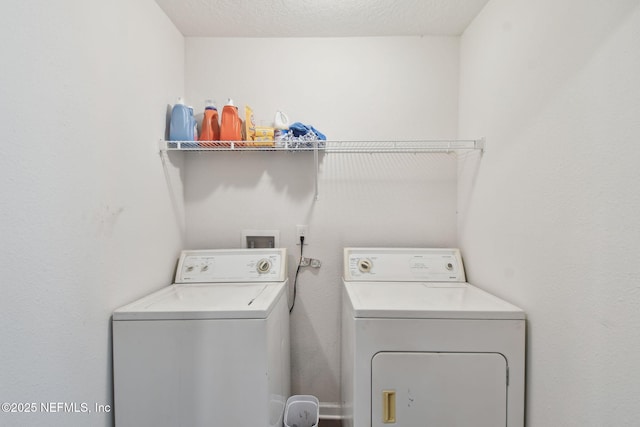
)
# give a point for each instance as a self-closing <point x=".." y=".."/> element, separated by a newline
<point x="389" y="406"/>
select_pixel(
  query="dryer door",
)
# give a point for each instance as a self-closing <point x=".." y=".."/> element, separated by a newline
<point x="439" y="389"/>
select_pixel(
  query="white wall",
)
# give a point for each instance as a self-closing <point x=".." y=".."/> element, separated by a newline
<point x="86" y="219"/>
<point x="352" y="88"/>
<point x="549" y="216"/>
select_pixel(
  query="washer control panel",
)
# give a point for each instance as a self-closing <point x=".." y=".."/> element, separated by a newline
<point x="403" y="265"/>
<point x="232" y="265"/>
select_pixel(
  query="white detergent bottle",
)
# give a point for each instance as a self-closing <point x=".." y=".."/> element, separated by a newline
<point x="281" y="121"/>
<point x="281" y="126"/>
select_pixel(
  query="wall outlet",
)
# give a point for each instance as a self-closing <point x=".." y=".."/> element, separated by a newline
<point x="302" y="231"/>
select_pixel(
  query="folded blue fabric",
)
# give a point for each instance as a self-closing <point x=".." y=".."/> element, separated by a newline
<point x="300" y="129"/>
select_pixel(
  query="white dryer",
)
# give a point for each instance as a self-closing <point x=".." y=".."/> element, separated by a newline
<point x="212" y="349"/>
<point x="420" y="346"/>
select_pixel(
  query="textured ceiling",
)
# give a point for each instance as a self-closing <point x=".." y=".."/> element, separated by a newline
<point x="320" y="18"/>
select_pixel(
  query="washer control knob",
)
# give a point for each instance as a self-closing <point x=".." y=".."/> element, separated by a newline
<point x="190" y="268"/>
<point x="365" y="265"/>
<point x="449" y="266"/>
<point x="264" y="265"/>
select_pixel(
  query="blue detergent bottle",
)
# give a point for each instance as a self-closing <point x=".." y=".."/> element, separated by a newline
<point x="181" y="127"/>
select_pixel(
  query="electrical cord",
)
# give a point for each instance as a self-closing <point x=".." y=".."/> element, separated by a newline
<point x="295" y="280"/>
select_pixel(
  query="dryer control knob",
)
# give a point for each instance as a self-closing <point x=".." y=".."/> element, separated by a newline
<point x="365" y="265"/>
<point x="264" y="265"/>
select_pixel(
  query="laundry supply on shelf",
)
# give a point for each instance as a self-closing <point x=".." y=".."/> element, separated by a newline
<point x="231" y="124"/>
<point x="281" y="121"/>
<point x="218" y="129"/>
<point x="210" y="129"/>
<point x="195" y="123"/>
<point x="303" y="136"/>
<point x="261" y="141"/>
<point x="281" y="126"/>
<point x="249" y="128"/>
<point x="300" y="129"/>
<point x="264" y="131"/>
<point x="183" y="125"/>
<point x="263" y="137"/>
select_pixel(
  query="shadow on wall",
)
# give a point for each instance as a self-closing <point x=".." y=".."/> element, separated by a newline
<point x="174" y="177"/>
<point x="468" y="171"/>
<point x="292" y="173"/>
<point x="309" y="363"/>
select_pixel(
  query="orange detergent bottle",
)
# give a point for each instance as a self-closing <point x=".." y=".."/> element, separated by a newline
<point x="231" y="124"/>
<point x="210" y="130"/>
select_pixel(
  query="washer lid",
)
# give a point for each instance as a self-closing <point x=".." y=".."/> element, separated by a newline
<point x="426" y="300"/>
<point x="205" y="301"/>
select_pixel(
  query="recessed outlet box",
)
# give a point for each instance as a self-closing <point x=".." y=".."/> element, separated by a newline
<point x="259" y="239"/>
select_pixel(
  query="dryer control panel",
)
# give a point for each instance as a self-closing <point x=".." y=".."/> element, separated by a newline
<point x="403" y="265"/>
<point x="232" y="265"/>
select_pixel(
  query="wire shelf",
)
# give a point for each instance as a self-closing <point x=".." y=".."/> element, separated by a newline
<point x="365" y="147"/>
<point x="382" y="146"/>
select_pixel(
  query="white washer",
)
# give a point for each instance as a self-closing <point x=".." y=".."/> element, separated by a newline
<point x="212" y="349"/>
<point x="420" y="346"/>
